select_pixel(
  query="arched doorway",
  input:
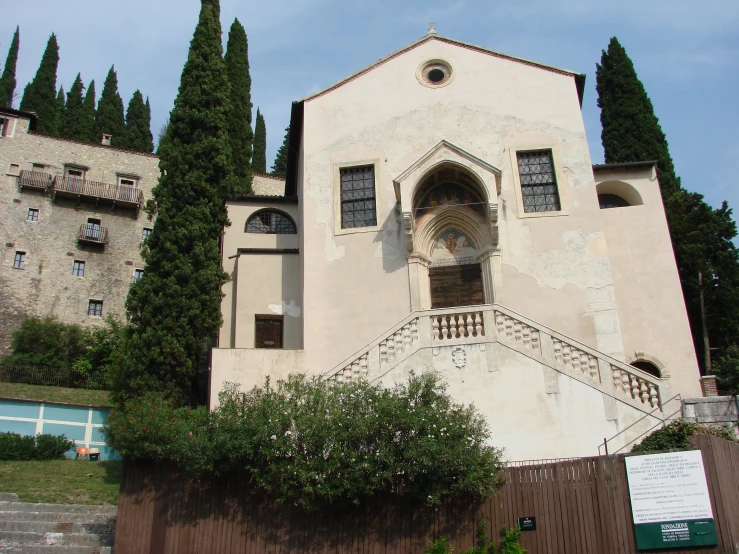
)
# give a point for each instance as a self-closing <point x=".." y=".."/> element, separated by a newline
<point x="455" y="277"/>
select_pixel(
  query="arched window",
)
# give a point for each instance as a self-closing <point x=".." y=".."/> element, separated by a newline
<point x="648" y="367"/>
<point x="270" y="222"/>
<point x="607" y="201"/>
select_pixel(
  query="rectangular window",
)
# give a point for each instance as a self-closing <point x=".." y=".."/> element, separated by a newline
<point x="538" y="181"/>
<point x="358" y="207"/>
<point x="32" y="214"/>
<point x="268" y="331"/>
<point x="78" y="269"/>
<point x="92" y="230"/>
<point x="137" y="274"/>
<point x="14" y="169"/>
<point x="20" y="260"/>
<point x="95" y="308"/>
<point x="145" y="232"/>
<point x="38" y="167"/>
<point x="4" y="126"/>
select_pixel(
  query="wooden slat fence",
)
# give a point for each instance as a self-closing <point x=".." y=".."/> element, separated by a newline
<point x="581" y="506"/>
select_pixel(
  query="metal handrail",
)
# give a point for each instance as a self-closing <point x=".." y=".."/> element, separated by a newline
<point x="34" y="179"/>
<point x="93" y="234"/>
<point x="97" y="189"/>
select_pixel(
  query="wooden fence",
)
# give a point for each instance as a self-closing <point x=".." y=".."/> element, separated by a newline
<point x="581" y="507"/>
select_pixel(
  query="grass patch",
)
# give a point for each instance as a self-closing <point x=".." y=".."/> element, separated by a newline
<point x="55" y="394"/>
<point x="62" y="481"/>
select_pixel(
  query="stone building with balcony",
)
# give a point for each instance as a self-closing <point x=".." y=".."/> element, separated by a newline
<point x="442" y="212"/>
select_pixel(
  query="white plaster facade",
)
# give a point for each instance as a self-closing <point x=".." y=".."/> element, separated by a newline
<point x="570" y="296"/>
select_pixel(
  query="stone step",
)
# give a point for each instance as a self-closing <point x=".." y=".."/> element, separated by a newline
<point x="66" y="508"/>
<point x="56" y="549"/>
<point x="25" y="538"/>
<point x="8" y="497"/>
<point x="57" y="517"/>
<point x="57" y="527"/>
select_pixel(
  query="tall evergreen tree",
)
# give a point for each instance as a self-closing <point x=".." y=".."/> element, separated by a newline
<point x="138" y="122"/>
<point x="109" y="117"/>
<point x="259" y="158"/>
<point x="175" y="308"/>
<point x="88" y="129"/>
<point x="60" y="101"/>
<point x="40" y="94"/>
<point x="239" y="122"/>
<point x="279" y="168"/>
<point x="7" y="81"/>
<point x="72" y="118"/>
<point x="702" y="237"/>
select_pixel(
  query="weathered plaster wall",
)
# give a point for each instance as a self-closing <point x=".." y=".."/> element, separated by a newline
<point x="46" y="285"/>
<point x="266" y="185"/>
<point x="647" y="286"/>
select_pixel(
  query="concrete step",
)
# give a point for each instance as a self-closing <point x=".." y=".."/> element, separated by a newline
<point x="65" y="508"/>
<point x="24" y="538"/>
<point x="8" y="497"/>
<point x="57" y="527"/>
<point x="44" y="549"/>
<point x="57" y="517"/>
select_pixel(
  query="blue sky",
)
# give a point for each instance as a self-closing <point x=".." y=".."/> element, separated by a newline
<point x="685" y="52"/>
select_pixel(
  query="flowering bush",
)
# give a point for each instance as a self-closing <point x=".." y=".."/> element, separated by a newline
<point x="310" y="441"/>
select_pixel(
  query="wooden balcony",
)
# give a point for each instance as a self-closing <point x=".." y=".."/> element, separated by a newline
<point x="34" y="180"/>
<point x="93" y="234"/>
<point x="119" y="196"/>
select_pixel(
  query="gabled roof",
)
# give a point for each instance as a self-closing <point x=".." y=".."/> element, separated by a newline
<point x="579" y="77"/>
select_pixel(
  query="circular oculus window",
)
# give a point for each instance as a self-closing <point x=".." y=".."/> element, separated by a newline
<point x="434" y="73"/>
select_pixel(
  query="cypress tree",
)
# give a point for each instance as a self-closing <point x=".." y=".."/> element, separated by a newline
<point x="279" y="168"/>
<point x="138" y="120"/>
<point x="174" y="310"/>
<point x="59" y="111"/>
<point x="259" y="159"/>
<point x="88" y="129"/>
<point x="631" y="132"/>
<point x="109" y="116"/>
<point x="40" y="94"/>
<point x="239" y="122"/>
<point x="7" y="81"/>
<point x="72" y="118"/>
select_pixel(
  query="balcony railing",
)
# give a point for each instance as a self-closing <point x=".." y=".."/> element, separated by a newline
<point x="34" y="180"/>
<point x="117" y="194"/>
<point x="93" y="233"/>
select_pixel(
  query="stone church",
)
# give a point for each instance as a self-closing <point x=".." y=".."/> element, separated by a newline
<point x="441" y="213"/>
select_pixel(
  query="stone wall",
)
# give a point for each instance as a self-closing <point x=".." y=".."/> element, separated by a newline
<point x="46" y="286"/>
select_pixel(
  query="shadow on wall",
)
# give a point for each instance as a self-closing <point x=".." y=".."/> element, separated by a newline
<point x="391" y="243"/>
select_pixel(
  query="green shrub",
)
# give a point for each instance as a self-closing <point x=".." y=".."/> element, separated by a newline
<point x="17" y="447"/>
<point x="311" y="441"/>
<point x="676" y="435"/>
<point x="439" y="546"/>
<point x="508" y="543"/>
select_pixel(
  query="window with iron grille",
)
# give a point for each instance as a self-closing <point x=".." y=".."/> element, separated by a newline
<point x="538" y="181"/>
<point x="20" y="260"/>
<point x="32" y="214"/>
<point x="137" y="274"/>
<point x="95" y="308"/>
<point x="145" y="232"/>
<point x="78" y="269"/>
<point x="358" y="205"/>
<point x="270" y="222"/>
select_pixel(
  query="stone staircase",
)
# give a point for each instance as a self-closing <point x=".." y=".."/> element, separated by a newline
<point x="55" y="528"/>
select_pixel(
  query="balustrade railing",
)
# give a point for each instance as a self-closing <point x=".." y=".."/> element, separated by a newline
<point x="576" y="359"/>
<point x="448" y="326"/>
<point x="517" y="331"/>
<point x="93" y="233"/>
<point x="94" y="189"/>
<point x="34" y="179"/>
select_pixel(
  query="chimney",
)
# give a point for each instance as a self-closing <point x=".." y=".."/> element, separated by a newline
<point x="107" y="139"/>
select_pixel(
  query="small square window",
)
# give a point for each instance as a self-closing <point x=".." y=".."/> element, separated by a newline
<point x="137" y="274"/>
<point x="78" y="269"/>
<point x="32" y="214"/>
<point x="358" y="204"/>
<point x="38" y="167"/>
<point x="538" y="181"/>
<point x="6" y="127"/>
<point x="145" y="232"/>
<point x="95" y="308"/>
<point x="14" y="169"/>
<point x="20" y="260"/>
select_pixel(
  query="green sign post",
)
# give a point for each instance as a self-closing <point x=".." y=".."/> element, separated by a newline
<point x="670" y="501"/>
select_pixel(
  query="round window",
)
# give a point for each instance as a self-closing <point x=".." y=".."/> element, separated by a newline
<point x="435" y="73"/>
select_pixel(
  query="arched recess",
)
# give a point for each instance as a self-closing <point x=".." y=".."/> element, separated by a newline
<point x="648" y="363"/>
<point x="621" y="189"/>
<point x="270" y="222"/>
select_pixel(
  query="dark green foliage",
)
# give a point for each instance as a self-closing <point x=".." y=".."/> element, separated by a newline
<point x="676" y="435"/>
<point x="631" y="131"/>
<point x="239" y="121"/>
<point x="138" y="125"/>
<point x="726" y="369"/>
<point x="509" y="543"/>
<point x="60" y="101"/>
<point x="314" y="442"/>
<point x="279" y="168"/>
<point x="109" y="116"/>
<point x="259" y="159"/>
<point x="40" y="94"/>
<point x="19" y="448"/>
<point x="72" y="126"/>
<point x="7" y="81"/>
<point x="175" y="309"/>
<point x="87" y="128"/>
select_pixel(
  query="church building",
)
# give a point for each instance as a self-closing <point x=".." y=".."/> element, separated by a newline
<point x="441" y="212"/>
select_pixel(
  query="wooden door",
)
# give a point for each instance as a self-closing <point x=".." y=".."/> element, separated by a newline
<point x="456" y="285"/>
<point x="268" y="332"/>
